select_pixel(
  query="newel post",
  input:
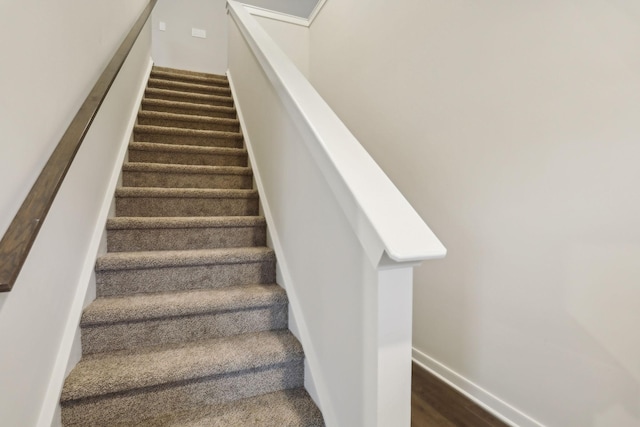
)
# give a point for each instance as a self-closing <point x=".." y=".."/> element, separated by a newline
<point x="388" y="329"/>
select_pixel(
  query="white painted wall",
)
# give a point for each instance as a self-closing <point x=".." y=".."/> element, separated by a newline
<point x="345" y="238"/>
<point x="46" y="74"/>
<point x="292" y="39"/>
<point x="177" y="48"/>
<point x="514" y="130"/>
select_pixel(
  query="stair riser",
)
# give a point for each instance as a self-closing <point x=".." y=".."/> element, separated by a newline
<point x="190" y="80"/>
<point x="182" y="87"/>
<point x="132" y="407"/>
<point x="185" y="180"/>
<point x="187" y="158"/>
<point x="136" y="335"/>
<point x="178" y="206"/>
<point x="187" y="97"/>
<point x="185" y="124"/>
<point x="185" y="110"/>
<point x="185" y="239"/>
<point x="202" y="141"/>
<point x="128" y="282"/>
<point x="185" y="78"/>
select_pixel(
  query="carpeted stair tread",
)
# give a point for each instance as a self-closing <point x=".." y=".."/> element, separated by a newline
<point x="290" y="408"/>
<point x="164" y="130"/>
<point x="188" y="107"/>
<point x="173" y="95"/>
<point x="108" y="373"/>
<point x="185" y="193"/>
<point x="147" y="174"/>
<point x="155" y="152"/>
<point x="173" y="320"/>
<point x="127" y="223"/>
<point x="190" y="149"/>
<point x="187" y="136"/>
<point x="189" y="327"/>
<point x="171" y="202"/>
<point x="159" y="118"/>
<point x="127" y="234"/>
<point x="187" y="169"/>
<point x="181" y="73"/>
<point x="188" y="87"/>
<point x="198" y="257"/>
<point x="132" y="407"/>
<point x="173" y="304"/>
<point x="210" y="79"/>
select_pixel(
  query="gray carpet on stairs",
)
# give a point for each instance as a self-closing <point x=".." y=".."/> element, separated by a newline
<point x="189" y="327"/>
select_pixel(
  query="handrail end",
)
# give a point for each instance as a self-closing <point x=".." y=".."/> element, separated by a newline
<point x="6" y="285"/>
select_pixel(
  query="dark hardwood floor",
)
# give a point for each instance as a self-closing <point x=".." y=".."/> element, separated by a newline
<point x="436" y="404"/>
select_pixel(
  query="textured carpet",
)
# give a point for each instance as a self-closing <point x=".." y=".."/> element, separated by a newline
<point x="189" y="327"/>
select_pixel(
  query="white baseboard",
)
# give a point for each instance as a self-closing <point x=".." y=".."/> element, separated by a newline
<point x="50" y="412"/>
<point x="477" y="394"/>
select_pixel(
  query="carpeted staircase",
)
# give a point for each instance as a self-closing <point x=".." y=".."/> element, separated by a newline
<point x="189" y="327"/>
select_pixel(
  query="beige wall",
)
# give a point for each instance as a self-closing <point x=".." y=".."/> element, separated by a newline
<point x="292" y="39"/>
<point x="514" y="130"/>
<point x="177" y="48"/>
<point x="52" y="54"/>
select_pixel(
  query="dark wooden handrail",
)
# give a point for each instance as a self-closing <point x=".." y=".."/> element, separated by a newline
<point x="19" y="237"/>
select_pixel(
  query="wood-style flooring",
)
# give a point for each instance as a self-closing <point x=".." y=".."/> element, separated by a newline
<point x="436" y="404"/>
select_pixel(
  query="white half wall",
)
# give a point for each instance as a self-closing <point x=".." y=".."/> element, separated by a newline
<point x="513" y="128"/>
<point x="175" y="47"/>
<point x="46" y="75"/>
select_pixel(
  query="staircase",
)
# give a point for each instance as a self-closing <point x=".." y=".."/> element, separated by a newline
<point x="189" y="327"/>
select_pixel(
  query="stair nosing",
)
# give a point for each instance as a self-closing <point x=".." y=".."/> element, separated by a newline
<point x="155" y="82"/>
<point x="186" y="148"/>
<point x="186" y="193"/>
<point x="184" y="366"/>
<point x="140" y="260"/>
<point x="182" y="94"/>
<point x="146" y="307"/>
<point x="187" y="105"/>
<point x="294" y="399"/>
<point x="173" y="168"/>
<point x="191" y="118"/>
<point x="176" y="131"/>
<point x="139" y="223"/>
<point x="180" y="72"/>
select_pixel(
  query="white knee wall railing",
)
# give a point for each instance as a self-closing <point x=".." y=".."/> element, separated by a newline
<point x="345" y="238"/>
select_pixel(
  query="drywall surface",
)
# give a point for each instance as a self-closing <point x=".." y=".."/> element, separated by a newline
<point x="300" y="8"/>
<point x="291" y="38"/>
<point x="46" y="74"/>
<point x="175" y="47"/>
<point x="513" y="129"/>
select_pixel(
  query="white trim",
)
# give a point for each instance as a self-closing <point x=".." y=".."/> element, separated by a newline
<point x="278" y="16"/>
<point x="285" y="17"/>
<point x="52" y="395"/>
<point x="316" y="10"/>
<point x="381" y="217"/>
<point x="479" y="395"/>
<point x="287" y="281"/>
